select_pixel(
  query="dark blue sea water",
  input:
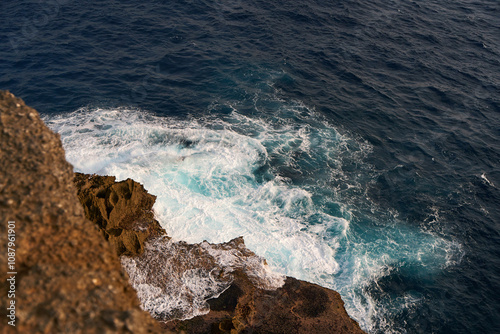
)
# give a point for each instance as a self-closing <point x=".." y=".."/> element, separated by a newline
<point x="355" y="144"/>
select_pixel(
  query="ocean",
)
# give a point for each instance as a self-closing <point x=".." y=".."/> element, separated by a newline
<point x="353" y="144"/>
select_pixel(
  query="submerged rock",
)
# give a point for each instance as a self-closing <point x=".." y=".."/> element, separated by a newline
<point x="68" y="279"/>
<point x="174" y="280"/>
<point x="296" y="307"/>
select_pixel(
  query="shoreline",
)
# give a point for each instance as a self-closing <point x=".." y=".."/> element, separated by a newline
<point x="70" y="277"/>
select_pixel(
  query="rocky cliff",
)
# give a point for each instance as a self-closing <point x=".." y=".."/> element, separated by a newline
<point x="68" y="274"/>
<point x="67" y="278"/>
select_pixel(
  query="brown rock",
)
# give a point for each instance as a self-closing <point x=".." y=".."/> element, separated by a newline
<point x="121" y="210"/>
<point x="69" y="279"/>
<point x="296" y="307"/>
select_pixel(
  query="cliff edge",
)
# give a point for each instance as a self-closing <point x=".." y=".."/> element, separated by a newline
<point x="66" y="277"/>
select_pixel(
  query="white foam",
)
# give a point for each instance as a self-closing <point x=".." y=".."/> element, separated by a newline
<point x="169" y="293"/>
<point x="483" y="176"/>
<point x="203" y="175"/>
<point x="174" y="280"/>
<point x="231" y="258"/>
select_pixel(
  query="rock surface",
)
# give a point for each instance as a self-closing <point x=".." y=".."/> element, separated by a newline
<point x="69" y="279"/>
<point x="121" y="210"/>
<point x="297" y="307"/>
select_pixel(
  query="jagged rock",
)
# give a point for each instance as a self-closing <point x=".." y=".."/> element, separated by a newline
<point x="297" y="307"/>
<point x="121" y="210"/>
<point x="69" y="279"/>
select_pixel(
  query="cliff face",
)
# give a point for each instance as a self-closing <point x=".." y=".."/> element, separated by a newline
<point x="68" y="278"/>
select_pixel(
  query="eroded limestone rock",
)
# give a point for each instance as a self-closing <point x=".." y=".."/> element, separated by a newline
<point x="223" y="288"/>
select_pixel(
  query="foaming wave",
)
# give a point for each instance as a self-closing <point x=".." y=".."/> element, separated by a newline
<point x="377" y="262"/>
<point x="214" y="179"/>
<point x="174" y="280"/>
<point x="287" y="181"/>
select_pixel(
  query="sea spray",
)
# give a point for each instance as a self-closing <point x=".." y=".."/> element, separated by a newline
<point x="174" y="280"/>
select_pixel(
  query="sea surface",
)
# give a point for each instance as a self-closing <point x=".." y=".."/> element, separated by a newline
<point x="354" y="144"/>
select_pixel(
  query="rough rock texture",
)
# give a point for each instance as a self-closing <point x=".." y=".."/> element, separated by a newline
<point x="121" y="210"/>
<point x="69" y="279"/>
<point x="297" y="307"/>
